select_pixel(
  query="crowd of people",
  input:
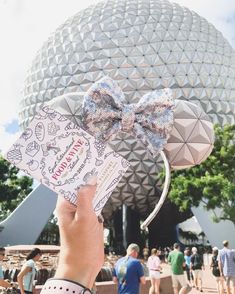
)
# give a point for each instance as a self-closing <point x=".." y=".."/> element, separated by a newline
<point x="129" y="272"/>
<point x="191" y="262"/>
<point x="80" y="261"/>
<point x="186" y="270"/>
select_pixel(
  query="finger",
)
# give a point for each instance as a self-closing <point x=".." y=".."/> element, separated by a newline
<point x="100" y="219"/>
<point x="85" y="197"/>
<point x="87" y="191"/>
<point x="65" y="210"/>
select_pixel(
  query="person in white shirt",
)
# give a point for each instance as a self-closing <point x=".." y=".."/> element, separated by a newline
<point x="154" y="267"/>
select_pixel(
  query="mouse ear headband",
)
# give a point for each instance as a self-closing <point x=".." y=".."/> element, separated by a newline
<point x="178" y="130"/>
<point x="105" y="113"/>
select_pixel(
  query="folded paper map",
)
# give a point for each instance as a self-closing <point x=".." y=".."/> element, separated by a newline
<point x="62" y="156"/>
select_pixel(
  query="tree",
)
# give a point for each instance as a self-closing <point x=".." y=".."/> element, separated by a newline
<point x="188" y="235"/>
<point x="14" y="187"/>
<point x="212" y="182"/>
<point x="202" y="235"/>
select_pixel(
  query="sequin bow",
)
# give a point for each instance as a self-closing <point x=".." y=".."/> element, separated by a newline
<point x="106" y="113"/>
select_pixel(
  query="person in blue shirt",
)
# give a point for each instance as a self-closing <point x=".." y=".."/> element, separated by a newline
<point x="226" y="262"/>
<point x="187" y="258"/>
<point x="128" y="272"/>
<point x="27" y="274"/>
<point x="3" y="283"/>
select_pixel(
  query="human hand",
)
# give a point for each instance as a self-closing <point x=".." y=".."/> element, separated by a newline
<point x="81" y="237"/>
<point x="4" y="283"/>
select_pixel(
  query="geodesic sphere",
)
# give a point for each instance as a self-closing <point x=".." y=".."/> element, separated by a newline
<point x="143" y="45"/>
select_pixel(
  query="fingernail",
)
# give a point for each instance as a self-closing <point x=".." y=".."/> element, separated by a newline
<point x="92" y="181"/>
<point x="100" y="218"/>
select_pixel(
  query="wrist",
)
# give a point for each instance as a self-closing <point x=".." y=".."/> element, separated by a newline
<point x="77" y="272"/>
<point x="56" y="286"/>
<point x="77" y="268"/>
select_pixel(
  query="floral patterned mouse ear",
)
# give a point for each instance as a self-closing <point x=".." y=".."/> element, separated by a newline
<point x="192" y="137"/>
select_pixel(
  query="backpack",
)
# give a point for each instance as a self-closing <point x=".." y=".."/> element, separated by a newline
<point x="196" y="261"/>
<point x="215" y="267"/>
<point x="122" y="270"/>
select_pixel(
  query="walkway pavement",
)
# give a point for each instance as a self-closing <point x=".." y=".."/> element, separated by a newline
<point x="208" y="281"/>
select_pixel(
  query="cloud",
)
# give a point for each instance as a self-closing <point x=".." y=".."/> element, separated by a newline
<point x="7" y="139"/>
<point x="12" y="127"/>
<point x="24" y="26"/>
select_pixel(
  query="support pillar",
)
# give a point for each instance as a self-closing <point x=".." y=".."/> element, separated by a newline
<point x="133" y="228"/>
<point x="118" y="232"/>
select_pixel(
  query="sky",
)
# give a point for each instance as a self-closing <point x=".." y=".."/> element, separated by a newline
<point x="26" y="24"/>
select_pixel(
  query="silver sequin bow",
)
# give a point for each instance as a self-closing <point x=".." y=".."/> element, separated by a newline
<point x="106" y="113"/>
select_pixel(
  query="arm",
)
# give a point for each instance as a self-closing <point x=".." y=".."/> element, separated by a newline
<point x="140" y="272"/>
<point x="80" y="260"/>
<point x="4" y="283"/>
<point x="34" y="290"/>
<point x="114" y="275"/>
<point x="183" y="261"/>
<point x="169" y="258"/>
<point x="22" y="273"/>
<point x="147" y="263"/>
<point x="115" y="280"/>
<point x="203" y="267"/>
<point x="191" y="262"/>
<point x="211" y="263"/>
<point x="142" y="280"/>
<point x="202" y="262"/>
<point x="221" y="269"/>
<point x="220" y="265"/>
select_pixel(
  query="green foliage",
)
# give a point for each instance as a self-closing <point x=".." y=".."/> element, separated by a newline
<point x="212" y="182"/>
<point x="188" y="235"/>
<point x="14" y="187"/>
